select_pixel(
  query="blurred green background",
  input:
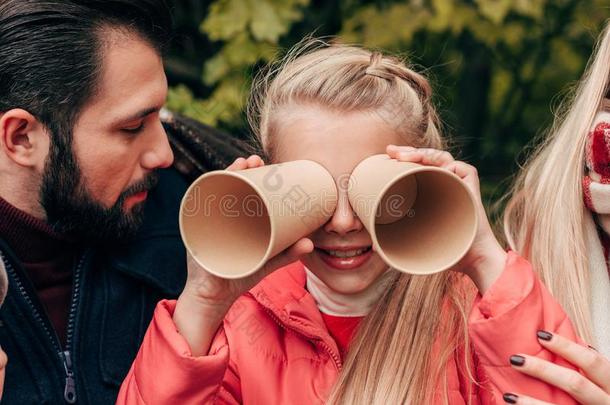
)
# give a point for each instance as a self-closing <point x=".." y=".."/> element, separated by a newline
<point x="498" y="67"/>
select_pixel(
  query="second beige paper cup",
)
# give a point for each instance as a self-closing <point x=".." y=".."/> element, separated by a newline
<point x="233" y="222"/>
<point x="421" y="219"/>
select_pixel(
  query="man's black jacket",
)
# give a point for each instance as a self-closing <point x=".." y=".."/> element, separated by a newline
<point x="114" y="295"/>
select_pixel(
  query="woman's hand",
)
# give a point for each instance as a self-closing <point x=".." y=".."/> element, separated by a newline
<point x="206" y="298"/>
<point x="485" y="260"/>
<point x="592" y="387"/>
<point x="3" y="363"/>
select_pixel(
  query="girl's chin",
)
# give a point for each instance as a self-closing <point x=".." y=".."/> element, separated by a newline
<point x="347" y="281"/>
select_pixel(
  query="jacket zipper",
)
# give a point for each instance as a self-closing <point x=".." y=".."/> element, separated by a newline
<point x="70" y="386"/>
<point x="313" y="338"/>
<point x="64" y="355"/>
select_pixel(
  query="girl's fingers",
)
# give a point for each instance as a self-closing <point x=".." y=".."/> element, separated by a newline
<point x="464" y="171"/>
<point x="470" y="176"/>
<point x="424" y="156"/>
<point x="239" y="164"/>
<point x="511" y="398"/>
<point x="570" y="381"/>
<point x="290" y="255"/>
<point x="255" y="161"/>
<point x="242" y="163"/>
<point x="591" y="362"/>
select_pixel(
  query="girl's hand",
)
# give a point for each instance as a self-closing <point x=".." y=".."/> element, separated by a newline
<point x="214" y="290"/>
<point x="485" y="260"/>
<point x="592" y="387"/>
<point x="206" y="298"/>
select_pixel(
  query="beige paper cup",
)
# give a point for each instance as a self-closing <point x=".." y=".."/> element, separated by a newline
<point x="233" y="222"/>
<point x="421" y="219"/>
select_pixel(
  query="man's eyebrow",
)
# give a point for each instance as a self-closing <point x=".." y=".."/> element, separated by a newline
<point x="138" y="115"/>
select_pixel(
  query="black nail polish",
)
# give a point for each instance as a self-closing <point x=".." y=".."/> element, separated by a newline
<point x="510" y="398"/>
<point x="544" y="335"/>
<point x="517" y="360"/>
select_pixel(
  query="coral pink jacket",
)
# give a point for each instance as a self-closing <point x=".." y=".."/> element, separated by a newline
<point x="273" y="348"/>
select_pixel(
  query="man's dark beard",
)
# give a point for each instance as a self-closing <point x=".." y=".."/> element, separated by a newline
<point x="72" y="212"/>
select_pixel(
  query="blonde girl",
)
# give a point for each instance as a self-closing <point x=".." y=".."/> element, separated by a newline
<point x="326" y="321"/>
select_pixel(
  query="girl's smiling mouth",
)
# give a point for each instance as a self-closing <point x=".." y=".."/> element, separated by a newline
<point x="344" y="258"/>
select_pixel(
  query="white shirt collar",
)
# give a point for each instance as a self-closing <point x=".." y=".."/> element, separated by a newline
<point x="348" y="305"/>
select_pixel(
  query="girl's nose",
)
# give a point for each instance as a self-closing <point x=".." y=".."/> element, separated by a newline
<point x="344" y="219"/>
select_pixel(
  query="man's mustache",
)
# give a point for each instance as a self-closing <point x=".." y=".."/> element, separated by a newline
<point x="149" y="182"/>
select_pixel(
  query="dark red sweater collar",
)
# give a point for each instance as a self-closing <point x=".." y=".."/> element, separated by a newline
<point x="31" y="239"/>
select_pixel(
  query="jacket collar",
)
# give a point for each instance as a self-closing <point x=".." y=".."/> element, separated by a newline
<point x="283" y="294"/>
<point x="159" y="261"/>
<point x="156" y="254"/>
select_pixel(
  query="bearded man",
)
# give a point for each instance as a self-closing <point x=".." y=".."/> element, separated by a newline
<point x="88" y="198"/>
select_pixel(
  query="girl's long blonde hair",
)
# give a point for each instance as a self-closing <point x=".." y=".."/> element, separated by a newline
<point x="401" y="349"/>
<point x="545" y="215"/>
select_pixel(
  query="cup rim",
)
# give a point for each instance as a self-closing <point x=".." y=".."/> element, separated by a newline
<point x="234" y="174"/>
<point x="256" y="188"/>
<point x="399" y="176"/>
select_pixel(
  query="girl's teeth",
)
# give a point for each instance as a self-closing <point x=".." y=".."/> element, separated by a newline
<point x="346" y="253"/>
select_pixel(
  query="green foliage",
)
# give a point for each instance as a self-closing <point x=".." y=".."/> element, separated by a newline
<point x="249" y="31"/>
<point x="496" y="65"/>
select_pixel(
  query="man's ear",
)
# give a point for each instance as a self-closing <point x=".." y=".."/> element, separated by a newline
<point x="23" y="138"/>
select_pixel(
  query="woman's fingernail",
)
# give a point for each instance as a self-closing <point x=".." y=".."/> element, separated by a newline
<point x="510" y="398"/>
<point x="544" y="335"/>
<point x="517" y="360"/>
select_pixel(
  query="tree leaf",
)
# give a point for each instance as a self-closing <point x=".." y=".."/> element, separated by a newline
<point x="494" y="10"/>
<point x="215" y="69"/>
<point x="226" y="18"/>
<point x="266" y="24"/>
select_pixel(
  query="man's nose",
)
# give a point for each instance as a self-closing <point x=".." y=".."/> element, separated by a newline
<point x="160" y="154"/>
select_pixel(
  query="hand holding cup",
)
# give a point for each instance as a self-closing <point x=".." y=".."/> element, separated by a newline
<point x="207" y="297"/>
<point x="485" y="259"/>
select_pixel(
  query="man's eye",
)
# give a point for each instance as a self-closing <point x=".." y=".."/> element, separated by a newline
<point x="134" y="130"/>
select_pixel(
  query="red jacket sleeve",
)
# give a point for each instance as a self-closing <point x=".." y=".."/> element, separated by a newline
<point x="165" y="372"/>
<point x="504" y="321"/>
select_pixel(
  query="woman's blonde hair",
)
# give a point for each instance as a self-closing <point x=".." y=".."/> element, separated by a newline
<point x="418" y="318"/>
<point x="545" y="215"/>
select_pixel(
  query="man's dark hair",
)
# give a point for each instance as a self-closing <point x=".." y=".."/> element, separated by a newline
<point x="51" y="52"/>
<point x="51" y="58"/>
